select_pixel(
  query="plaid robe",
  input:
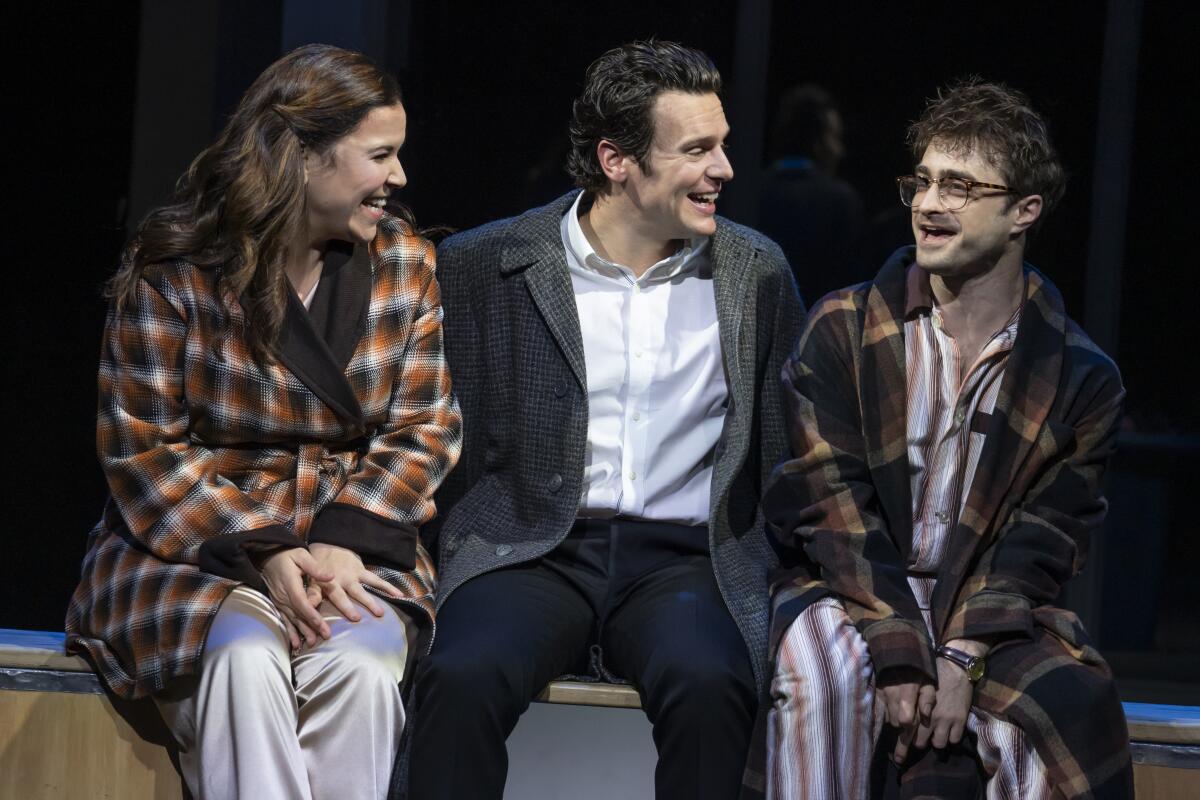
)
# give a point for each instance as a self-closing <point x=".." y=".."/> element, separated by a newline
<point x="840" y="511"/>
<point x="210" y="456"/>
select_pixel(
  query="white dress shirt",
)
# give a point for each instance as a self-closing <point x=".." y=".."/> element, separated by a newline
<point x="655" y="381"/>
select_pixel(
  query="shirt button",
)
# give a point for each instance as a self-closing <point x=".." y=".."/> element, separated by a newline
<point x="937" y="321"/>
<point x="959" y="415"/>
<point x="942" y="517"/>
<point x="555" y="482"/>
<point x="504" y="549"/>
<point x="637" y="353"/>
<point x="632" y="476"/>
<point x="636" y="416"/>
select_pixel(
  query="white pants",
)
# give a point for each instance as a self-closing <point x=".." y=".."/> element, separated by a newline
<point x="257" y="722"/>
<point x="822" y="727"/>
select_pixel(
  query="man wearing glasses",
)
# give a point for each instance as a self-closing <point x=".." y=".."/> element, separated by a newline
<point x="949" y="429"/>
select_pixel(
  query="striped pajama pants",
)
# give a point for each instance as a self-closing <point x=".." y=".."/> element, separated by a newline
<point x="823" y="725"/>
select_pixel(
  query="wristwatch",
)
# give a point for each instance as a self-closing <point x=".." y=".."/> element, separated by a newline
<point x="972" y="665"/>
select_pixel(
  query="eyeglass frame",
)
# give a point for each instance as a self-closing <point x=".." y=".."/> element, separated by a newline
<point x="941" y="198"/>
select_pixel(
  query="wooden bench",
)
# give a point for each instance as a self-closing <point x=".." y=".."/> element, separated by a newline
<point x="578" y="693"/>
<point x="63" y="736"/>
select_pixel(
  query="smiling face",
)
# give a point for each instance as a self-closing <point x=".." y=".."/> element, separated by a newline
<point x="687" y="168"/>
<point x="347" y="186"/>
<point x="975" y="237"/>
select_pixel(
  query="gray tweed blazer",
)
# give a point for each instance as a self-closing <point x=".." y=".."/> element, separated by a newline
<point x="515" y="351"/>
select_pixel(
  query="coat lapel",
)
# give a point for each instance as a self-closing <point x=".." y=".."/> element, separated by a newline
<point x="730" y="257"/>
<point x="319" y="362"/>
<point x="734" y="292"/>
<point x="883" y="392"/>
<point x="1027" y="393"/>
<point x="339" y="310"/>
<point x="535" y="246"/>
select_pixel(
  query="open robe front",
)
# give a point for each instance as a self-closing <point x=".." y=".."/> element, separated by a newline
<point x="841" y="512"/>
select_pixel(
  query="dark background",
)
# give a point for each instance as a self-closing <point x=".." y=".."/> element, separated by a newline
<point x="108" y="104"/>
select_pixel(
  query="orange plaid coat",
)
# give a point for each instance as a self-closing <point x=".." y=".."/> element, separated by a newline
<point x="840" y="512"/>
<point x="210" y="455"/>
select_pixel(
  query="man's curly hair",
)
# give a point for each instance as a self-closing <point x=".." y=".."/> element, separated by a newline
<point x="973" y="115"/>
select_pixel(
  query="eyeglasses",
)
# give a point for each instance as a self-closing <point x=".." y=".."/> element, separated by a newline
<point x="953" y="192"/>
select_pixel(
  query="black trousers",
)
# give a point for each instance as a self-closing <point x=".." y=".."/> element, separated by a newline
<point x="632" y="598"/>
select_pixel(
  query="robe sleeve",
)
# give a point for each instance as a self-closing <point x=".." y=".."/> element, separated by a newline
<point x="165" y="486"/>
<point x="821" y="505"/>
<point x="1043" y="540"/>
<point x="390" y="494"/>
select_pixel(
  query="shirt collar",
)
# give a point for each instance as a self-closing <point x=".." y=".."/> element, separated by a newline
<point x="918" y="299"/>
<point x="1007" y="336"/>
<point x="675" y="264"/>
<point x="918" y="296"/>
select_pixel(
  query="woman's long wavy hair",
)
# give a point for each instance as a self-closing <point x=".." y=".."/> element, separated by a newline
<point x="241" y="204"/>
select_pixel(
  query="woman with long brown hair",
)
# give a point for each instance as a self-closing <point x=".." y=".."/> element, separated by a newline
<point x="274" y="416"/>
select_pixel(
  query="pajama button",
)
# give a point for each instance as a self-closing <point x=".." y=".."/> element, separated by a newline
<point x="504" y="549"/>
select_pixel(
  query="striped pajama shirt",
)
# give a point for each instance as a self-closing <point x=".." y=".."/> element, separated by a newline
<point x="823" y="726"/>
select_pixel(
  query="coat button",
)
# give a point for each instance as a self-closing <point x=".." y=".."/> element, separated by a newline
<point x="560" y="388"/>
<point x="504" y="549"/>
<point x="555" y="482"/>
<point x="451" y="546"/>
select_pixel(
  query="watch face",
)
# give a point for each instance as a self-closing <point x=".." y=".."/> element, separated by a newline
<point x="974" y="669"/>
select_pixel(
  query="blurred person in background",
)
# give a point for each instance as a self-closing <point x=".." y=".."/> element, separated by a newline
<point x="815" y="216"/>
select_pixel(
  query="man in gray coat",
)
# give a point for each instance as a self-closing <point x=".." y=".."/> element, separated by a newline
<point x="617" y="357"/>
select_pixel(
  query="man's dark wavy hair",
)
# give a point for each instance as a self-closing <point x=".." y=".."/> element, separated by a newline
<point x="998" y="121"/>
<point x="618" y="98"/>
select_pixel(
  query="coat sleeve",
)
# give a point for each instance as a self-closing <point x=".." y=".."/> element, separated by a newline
<point x="788" y="318"/>
<point x="821" y="505"/>
<point x="464" y="352"/>
<point x="164" y="485"/>
<point x="1043" y="541"/>
<point x="390" y="494"/>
